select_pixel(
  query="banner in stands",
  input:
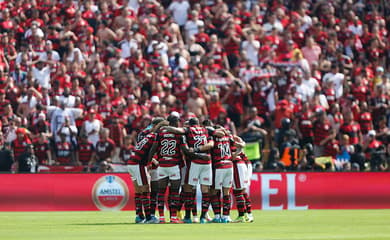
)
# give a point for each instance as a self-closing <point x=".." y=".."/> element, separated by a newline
<point x="269" y="191"/>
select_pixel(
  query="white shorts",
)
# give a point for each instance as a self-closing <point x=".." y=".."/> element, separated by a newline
<point x="240" y="173"/>
<point x="249" y="174"/>
<point x="184" y="175"/>
<point x="201" y="173"/>
<point x="173" y="173"/>
<point x="153" y="174"/>
<point x="223" y="178"/>
<point x="139" y="173"/>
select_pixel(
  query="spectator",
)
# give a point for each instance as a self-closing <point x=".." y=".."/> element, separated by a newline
<point x="27" y="162"/>
<point x="6" y="156"/>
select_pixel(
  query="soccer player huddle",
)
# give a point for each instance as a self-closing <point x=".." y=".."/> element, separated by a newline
<point x="174" y="158"/>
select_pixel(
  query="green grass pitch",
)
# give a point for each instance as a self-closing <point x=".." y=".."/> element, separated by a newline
<point x="311" y="224"/>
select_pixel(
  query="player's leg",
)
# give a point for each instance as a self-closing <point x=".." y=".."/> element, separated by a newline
<point x="191" y="181"/>
<point x="215" y="195"/>
<point x="163" y="183"/>
<point x="154" y="178"/>
<point x="138" y="192"/>
<point x="238" y="191"/>
<point x="226" y="189"/>
<point x="175" y="199"/>
<point x="248" y="202"/>
<point x="145" y="189"/>
<point x="138" y="203"/>
<point x="205" y="180"/>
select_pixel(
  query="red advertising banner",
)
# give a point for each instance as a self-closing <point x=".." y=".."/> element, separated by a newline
<point x="269" y="191"/>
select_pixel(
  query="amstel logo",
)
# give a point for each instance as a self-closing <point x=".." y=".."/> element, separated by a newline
<point x="110" y="193"/>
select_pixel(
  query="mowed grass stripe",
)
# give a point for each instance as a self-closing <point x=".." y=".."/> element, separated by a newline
<point x="311" y="224"/>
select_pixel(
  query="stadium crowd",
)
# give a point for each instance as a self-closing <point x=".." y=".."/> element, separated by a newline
<point x="306" y="80"/>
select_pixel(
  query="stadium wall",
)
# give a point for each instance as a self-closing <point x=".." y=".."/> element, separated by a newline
<point x="269" y="191"/>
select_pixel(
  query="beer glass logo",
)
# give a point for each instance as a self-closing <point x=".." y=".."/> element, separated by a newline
<point x="110" y="193"/>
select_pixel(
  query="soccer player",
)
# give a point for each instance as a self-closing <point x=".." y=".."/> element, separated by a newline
<point x="199" y="169"/>
<point x="137" y="167"/>
<point x="240" y="175"/>
<point x="223" y="173"/>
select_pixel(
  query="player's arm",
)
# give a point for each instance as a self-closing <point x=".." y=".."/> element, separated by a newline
<point x="175" y="130"/>
<point x="236" y="153"/>
<point x="190" y="152"/>
<point x="238" y="142"/>
<point x="204" y="148"/>
<point x="159" y="125"/>
<point x="152" y="151"/>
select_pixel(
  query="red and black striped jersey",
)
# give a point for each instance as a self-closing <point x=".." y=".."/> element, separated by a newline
<point x="141" y="150"/>
<point x="19" y="147"/>
<point x="85" y="150"/>
<point x="365" y="121"/>
<point x="221" y="154"/>
<point x="64" y="152"/>
<point x="197" y="136"/>
<point x="321" y="131"/>
<point x="306" y="124"/>
<point x="40" y="150"/>
<point x="168" y="151"/>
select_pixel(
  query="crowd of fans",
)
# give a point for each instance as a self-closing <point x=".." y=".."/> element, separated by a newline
<point x="306" y="79"/>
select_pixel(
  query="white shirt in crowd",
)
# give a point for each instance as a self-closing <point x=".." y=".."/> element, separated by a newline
<point x="337" y="80"/>
<point x="192" y="27"/>
<point x="57" y="116"/>
<point x="90" y="126"/>
<point x="42" y="76"/>
<point x="311" y="84"/>
<point x="127" y="46"/>
<point x="252" y="51"/>
<point x="180" y="11"/>
<point x="303" y="91"/>
<point x="55" y="56"/>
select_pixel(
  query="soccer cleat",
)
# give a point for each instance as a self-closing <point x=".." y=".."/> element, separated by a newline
<point x="139" y="219"/>
<point x="226" y="219"/>
<point x="175" y="220"/>
<point x="187" y="220"/>
<point x="203" y="220"/>
<point x="152" y="220"/>
<point x="180" y="215"/>
<point x="162" y="220"/>
<point x="196" y="220"/>
<point x="240" y="219"/>
<point x="208" y="218"/>
<point x="216" y="220"/>
<point x="249" y="217"/>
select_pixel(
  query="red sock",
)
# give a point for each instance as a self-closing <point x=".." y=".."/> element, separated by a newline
<point x="216" y="203"/>
<point x="227" y="201"/>
<point x="205" y="204"/>
<point x="161" y="203"/>
<point x="240" y="201"/>
<point x="146" y="203"/>
<point x="248" y="203"/>
<point x="138" y="204"/>
<point x="193" y="205"/>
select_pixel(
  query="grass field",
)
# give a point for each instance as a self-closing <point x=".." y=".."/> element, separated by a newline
<point x="312" y="224"/>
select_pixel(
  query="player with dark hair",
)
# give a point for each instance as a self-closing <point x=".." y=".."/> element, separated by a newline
<point x="222" y="173"/>
<point x="240" y="183"/>
<point x="137" y="167"/>
<point x="200" y="169"/>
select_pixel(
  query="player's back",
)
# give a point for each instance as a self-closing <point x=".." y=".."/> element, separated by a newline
<point x="168" y="151"/>
<point x="141" y="149"/>
<point x="197" y="136"/>
<point x="221" y="153"/>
